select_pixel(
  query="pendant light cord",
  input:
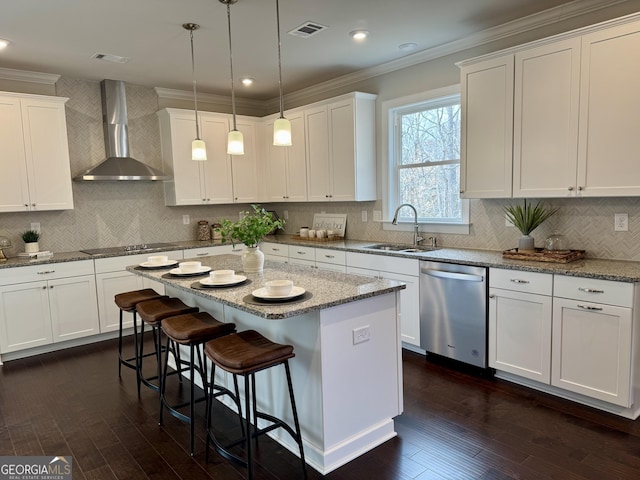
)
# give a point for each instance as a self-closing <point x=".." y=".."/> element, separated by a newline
<point x="193" y="76"/>
<point x="279" y="60"/>
<point x="233" y="96"/>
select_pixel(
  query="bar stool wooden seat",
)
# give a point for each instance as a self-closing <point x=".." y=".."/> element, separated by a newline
<point x="127" y="302"/>
<point x="152" y="313"/>
<point x="246" y="353"/>
<point x="192" y="330"/>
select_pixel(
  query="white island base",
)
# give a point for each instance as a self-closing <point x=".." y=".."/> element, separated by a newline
<point x="347" y="384"/>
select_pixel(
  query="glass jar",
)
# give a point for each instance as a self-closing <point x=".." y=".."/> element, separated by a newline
<point x="556" y="242"/>
<point x="204" y="232"/>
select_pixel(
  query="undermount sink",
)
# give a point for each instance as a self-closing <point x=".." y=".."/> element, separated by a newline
<point x="389" y="247"/>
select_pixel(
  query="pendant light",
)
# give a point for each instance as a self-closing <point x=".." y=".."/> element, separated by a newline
<point x="235" y="141"/>
<point x="282" y="126"/>
<point x="198" y="147"/>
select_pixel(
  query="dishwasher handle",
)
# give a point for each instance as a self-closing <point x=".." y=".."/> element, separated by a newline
<point x="467" y="277"/>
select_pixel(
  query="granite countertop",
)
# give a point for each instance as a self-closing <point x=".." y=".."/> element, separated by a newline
<point x="324" y="289"/>
<point x="617" y="270"/>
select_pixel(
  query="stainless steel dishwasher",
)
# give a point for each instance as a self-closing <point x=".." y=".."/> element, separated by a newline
<point x="453" y="311"/>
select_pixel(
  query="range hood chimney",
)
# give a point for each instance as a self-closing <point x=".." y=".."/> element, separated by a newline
<point x="118" y="165"/>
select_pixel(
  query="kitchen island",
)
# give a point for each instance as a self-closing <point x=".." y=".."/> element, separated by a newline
<point x="347" y="372"/>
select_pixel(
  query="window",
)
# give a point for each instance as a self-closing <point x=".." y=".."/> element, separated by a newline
<point x="424" y="158"/>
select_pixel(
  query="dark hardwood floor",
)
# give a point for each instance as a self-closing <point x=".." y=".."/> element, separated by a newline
<point x="455" y="425"/>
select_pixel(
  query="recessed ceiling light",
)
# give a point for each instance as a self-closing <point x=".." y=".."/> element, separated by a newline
<point x="405" y="47"/>
<point x="4" y="43"/>
<point x="359" y="34"/>
<point x="247" y="82"/>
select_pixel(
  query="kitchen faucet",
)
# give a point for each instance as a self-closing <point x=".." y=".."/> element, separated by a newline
<point x="416" y="235"/>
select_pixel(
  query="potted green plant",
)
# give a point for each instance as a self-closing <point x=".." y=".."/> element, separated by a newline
<point x="30" y="238"/>
<point x="526" y="219"/>
<point x="250" y="230"/>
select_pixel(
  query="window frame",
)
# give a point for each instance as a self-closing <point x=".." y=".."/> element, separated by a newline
<point x="390" y="109"/>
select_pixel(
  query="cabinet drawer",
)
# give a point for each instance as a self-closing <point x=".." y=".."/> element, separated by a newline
<point x="212" y="250"/>
<point x="325" y="255"/>
<point x="47" y="271"/>
<point x="117" y="264"/>
<point x="383" y="263"/>
<point x="527" y="282"/>
<point x="302" y="253"/>
<point x="594" y="290"/>
<point x="277" y="249"/>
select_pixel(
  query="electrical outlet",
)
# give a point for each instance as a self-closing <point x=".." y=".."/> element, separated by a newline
<point x="361" y="334"/>
<point x="186" y="220"/>
<point x="35" y="226"/>
<point x="377" y="216"/>
<point x="621" y="222"/>
<point x="364" y="215"/>
<point x="285" y="214"/>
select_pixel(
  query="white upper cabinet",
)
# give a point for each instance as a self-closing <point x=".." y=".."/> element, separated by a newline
<point x="575" y="121"/>
<point x="609" y="105"/>
<point x="219" y="179"/>
<point x="286" y="166"/>
<point x="545" y="131"/>
<point x="340" y="139"/>
<point x="34" y="154"/>
<point x="487" y="129"/>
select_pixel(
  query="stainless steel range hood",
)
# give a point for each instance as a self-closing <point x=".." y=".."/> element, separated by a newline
<point x="118" y="165"/>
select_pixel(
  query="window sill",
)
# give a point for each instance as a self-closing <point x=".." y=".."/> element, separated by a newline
<point x="455" y="228"/>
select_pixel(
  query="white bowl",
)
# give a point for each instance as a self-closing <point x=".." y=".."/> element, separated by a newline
<point x="189" y="267"/>
<point x="223" y="275"/>
<point x="158" y="259"/>
<point x="279" y="288"/>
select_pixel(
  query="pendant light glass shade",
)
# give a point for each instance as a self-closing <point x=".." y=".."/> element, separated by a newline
<point x="235" y="143"/>
<point x="235" y="140"/>
<point x="282" y="126"/>
<point x="198" y="147"/>
<point x="282" y="132"/>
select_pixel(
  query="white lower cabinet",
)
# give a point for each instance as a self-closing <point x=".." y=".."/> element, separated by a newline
<point x="53" y="303"/>
<point x="276" y="252"/>
<point x="404" y="270"/>
<point x="577" y="337"/>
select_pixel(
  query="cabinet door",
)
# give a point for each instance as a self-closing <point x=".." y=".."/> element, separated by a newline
<point x="47" y="154"/>
<point x="592" y="350"/>
<point x="487" y="129"/>
<point x="217" y="172"/>
<point x="409" y="307"/>
<point x="545" y="138"/>
<point x="609" y="105"/>
<point x="318" y="169"/>
<point x="245" y="167"/>
<point x="296" y="160"/>
<point x="74" y="307"/>
<point x="276" y="166"/>
<point x="24" y="316"/>
<point x="14" y="189"/>
<point x="343" y="156"/>
<point x="520" y="334"/>
<point x="108" y="285"/>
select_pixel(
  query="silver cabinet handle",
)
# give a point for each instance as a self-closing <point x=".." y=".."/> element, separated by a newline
<point x="329" y="256"/>
<point x="517" y="280"/>
<point x="44" y="272"/>
<point x="579" y="188"/>
<point x="300" y="253"/>
<point x="587" y="307"/>
<point x="206" y="254"/>
<point x="275" y="249"/>
<point x="44" y="288"/>
<point x="492" y="296"/>
<point x="590" y="290"/>
<point x="570" y="188"/>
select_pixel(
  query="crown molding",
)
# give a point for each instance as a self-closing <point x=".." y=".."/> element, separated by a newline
<point x="204" y="97"/>
<point x="26" y="76"/>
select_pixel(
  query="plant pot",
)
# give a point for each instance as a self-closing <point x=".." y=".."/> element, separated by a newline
<point x="31" y="247"/>
<point x="252" y="260"/>
<point x="526" y="244"/>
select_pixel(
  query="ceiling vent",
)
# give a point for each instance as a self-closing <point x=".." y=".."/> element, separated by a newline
<point x="308" y="29"/>
<point x="108" y="57"/>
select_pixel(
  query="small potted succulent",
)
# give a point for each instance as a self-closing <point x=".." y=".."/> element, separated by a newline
<point x="250" y="230"/>
<point x="30" y="239"/>
<point x="526" y="219"/>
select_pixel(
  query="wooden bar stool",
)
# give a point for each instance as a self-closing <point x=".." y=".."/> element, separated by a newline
<point x="152" y="313"/>
<point x="192" y="330"/>
<point x="246" y="353"/>
<point x="127" y="302"/>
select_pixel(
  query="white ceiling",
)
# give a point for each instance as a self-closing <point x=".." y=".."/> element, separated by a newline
<point x="61" y="36"/>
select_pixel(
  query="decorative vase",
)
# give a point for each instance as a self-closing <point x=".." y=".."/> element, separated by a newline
<point x="252" y="260"/>
<point x="31" y="247"/>
<point x="526" y="244"/>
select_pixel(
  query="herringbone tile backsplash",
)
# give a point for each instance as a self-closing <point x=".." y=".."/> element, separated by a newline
<point x="124" y="213"/>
